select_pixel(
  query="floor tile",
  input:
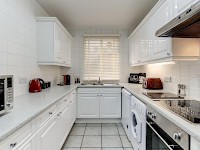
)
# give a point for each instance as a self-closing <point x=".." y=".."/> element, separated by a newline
<point x="93" y="124"/>
<point x="109" y="131"/>
<point x="91" y="141"/>
<point x="121" y="130"/>
<point x="73" y="141"/>
<point x="112" y="148"/>
<point x="77" y="131"/>
<point x="79" y="124"/>
<point x="125" y="142"/>
<point x="111" y="141"/>
<point x="109" y="125"/>
<point x="93" y="131"/>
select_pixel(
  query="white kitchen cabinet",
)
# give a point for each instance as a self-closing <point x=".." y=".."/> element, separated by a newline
<point x="88" y="106"/>
<point x="161" y="47"/>
<point x="30" y="144"/>
<point x="99" y="103"/>
<point x="54" y="42"/>
<point x="110" y="106"/>
<point x="145" y="47"/>
<point x="194" y="144"/>
<point x="182" y="5"/>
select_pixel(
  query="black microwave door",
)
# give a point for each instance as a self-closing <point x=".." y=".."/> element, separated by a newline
<point x="2" y="96"/>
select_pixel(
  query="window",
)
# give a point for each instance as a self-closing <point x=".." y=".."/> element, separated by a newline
<point x="101" y="58"/>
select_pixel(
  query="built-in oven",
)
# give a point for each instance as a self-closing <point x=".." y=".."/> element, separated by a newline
<point x="162" y="134"/>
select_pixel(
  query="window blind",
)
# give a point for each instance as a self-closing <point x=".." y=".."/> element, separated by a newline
<point x="101" y="58"/>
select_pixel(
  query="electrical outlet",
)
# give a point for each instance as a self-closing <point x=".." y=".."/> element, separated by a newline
<point x="22" y="80"/>
<point x="168" y="79"/>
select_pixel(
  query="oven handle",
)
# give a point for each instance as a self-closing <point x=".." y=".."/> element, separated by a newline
<point x="168" y="146"/>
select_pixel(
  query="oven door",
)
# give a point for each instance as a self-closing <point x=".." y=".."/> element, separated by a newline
<point x="157" y="139"/>
<point x="2" y="95"/>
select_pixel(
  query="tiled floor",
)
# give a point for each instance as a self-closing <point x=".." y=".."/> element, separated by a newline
<point x="97" y="137"/>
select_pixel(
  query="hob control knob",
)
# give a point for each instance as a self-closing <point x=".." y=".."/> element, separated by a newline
<point x="9" y="104"/>
<point x="177" y="136"/>
<point x="153" y="116"/>
<point x="149" y="113"/>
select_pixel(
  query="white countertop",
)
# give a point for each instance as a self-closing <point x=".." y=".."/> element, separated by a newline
<point x="191" y="128"/>
<point x="27" y="107"/>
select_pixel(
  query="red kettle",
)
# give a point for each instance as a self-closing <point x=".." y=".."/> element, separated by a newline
<point x="34" y="86"/>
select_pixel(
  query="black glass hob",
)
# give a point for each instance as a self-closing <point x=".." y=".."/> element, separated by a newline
<point x="162" y="95"/>
<point x="188" y="109"/>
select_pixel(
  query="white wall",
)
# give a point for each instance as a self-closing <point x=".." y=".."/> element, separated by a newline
<point x="181" y="72"/>
<point x="77" y="50"/>
<point x="18" y="43"/>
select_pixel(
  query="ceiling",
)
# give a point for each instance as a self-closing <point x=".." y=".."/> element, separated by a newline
<point x="98" y="13"/>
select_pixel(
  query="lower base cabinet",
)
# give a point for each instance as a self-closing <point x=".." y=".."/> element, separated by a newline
<point x="99" y="103"/>
<point x="48" y="131"/>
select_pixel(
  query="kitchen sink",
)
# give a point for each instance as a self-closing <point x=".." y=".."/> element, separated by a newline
<point x="98" y="84"/>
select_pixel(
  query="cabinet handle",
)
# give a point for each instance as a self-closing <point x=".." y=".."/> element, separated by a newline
<point x="65" y="100"/>
<point x="59" y="113"/>
<point x="13" y="144"/>
<point x="50" y="113"/>
<point x="168" y="54"/>
<point x="97" y="95"/>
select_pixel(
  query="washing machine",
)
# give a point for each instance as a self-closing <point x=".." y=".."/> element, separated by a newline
<point x="126" y="111"/>
<point x="138" y="124"/>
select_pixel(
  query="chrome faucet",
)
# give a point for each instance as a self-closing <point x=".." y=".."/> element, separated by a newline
<point x="99" y="81"/>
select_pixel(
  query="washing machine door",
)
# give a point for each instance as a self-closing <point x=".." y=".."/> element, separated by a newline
<point x="136" y="126"/>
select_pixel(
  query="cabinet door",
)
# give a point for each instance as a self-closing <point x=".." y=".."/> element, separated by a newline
<point x="30" y="144"/>
<point x="47" y="135"/>
<point x="144" y="41"/>
<point x="110" y="106"/>
<point x="182" y="5"/>
<point x="63" y="124"/>
<point x="131" y="51"/>
<point x="161" y="46"/>
<point x="58" y="44"/>
<point x="88" y="106"/>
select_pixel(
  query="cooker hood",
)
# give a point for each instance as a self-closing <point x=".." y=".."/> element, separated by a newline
<point x="186" y="25"/>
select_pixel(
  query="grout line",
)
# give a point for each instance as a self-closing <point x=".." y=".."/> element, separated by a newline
<point x="83" y="136"/>
<point x="120" y="137"/>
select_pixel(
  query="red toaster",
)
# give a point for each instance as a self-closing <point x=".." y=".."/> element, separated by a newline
<point x="152" y="83"/>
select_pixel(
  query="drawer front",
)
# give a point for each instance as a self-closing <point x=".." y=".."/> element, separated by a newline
<point x="88" y="90"/>
<point x="110" y="90"/>
<point x="18" y="138"/>
<point x="42" y="118"/>
<point x="67" y="98"/>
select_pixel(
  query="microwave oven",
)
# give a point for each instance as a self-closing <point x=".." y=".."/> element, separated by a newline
<point x="6" y="93"/>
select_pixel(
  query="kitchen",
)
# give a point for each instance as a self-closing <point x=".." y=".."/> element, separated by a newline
<point x="47" y="39"/>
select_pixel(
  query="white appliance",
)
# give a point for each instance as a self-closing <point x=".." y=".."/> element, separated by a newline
<point x="126" y="111"/>
<point x="138" y="124"/>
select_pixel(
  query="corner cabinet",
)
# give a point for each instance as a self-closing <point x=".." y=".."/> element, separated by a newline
<point x="54" y="42"/>
<point x="145" y="47"/>
<point x="99" y="102"/>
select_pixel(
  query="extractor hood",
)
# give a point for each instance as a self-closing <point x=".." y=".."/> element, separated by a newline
<point x="186" y="25"/>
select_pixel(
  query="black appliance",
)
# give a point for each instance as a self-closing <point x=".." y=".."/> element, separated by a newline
<point x="186" y="25"/>
<point x="162" y="95"/>
<point x="6" y="93"/>
<point x="136" y="77"/>
<point x="188" y="109"/>
<point x="66" y="79"/>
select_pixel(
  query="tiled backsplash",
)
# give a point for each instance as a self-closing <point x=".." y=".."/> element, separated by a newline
<point x="18" y="43"/>
<point x="77" y="50"/>
<point x="181" y="72"/>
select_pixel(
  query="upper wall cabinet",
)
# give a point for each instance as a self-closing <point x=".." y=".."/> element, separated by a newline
<point x="181" y="5"/>
<point x="54" y="42"/>
<point x="145" y="47"/>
